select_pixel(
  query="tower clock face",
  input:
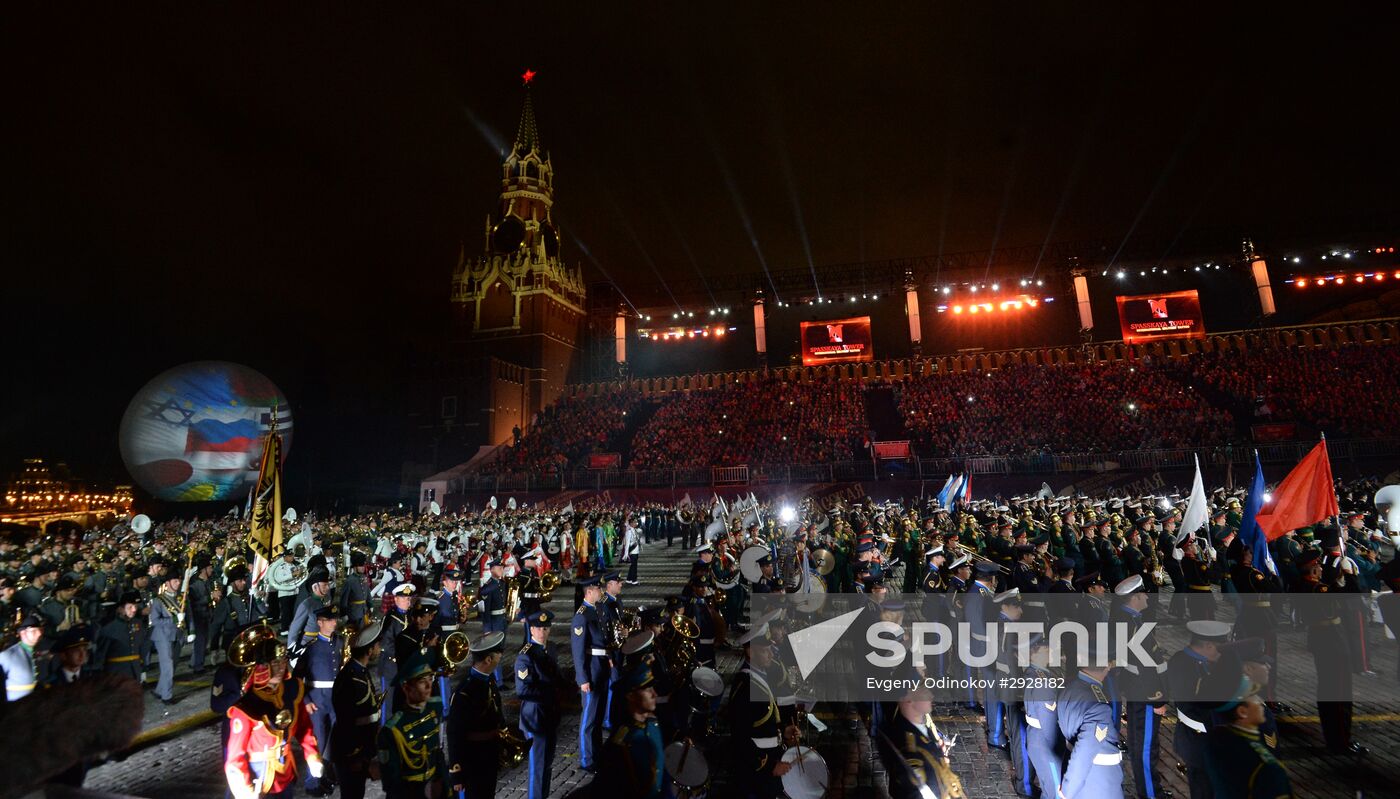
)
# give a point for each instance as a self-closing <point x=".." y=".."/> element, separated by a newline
<point x="551" y="241"/>
<point x="507" y="235"/>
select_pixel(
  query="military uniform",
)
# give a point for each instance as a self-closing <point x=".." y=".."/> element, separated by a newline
<point x="302" y="631"/>
<point x="1045" y="744"/>
<point x="356" y="598"/>
<point x="1242" y="767"/>
<point x="1144" y="723"/>
<point x="914" y="760"/>
<point x="410" y="751"/>
<point x="1086" y="720"/>
<point x="165" y="634"/>
<point x="631" y="764"/>
<point x="591" y="665"/>
<point x="538" y="683"/>
<point x="262" y="726"/>
<point x="235" y="612"/>
<point x="118" y="647"/>
<point x="317" y="668"/>
<point x="756" y="726"/>
<point x="1185" y="672"/>
<point x="473" y="733"/>
<point x="21" y="666"/>
<point x="356" y="701"/>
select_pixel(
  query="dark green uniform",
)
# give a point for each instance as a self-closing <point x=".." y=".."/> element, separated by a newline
<point x="1242" y="767"/>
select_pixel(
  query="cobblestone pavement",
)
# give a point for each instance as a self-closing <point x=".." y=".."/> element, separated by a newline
<point x="180" y="756"/>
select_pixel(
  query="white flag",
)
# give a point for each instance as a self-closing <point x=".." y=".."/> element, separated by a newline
<point x="1197" y="510"/>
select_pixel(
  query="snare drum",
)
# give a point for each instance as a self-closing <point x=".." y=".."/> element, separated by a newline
<point x="688" y="770"/>
<point x="808" y="777"/>
<point x="707" y="681"/>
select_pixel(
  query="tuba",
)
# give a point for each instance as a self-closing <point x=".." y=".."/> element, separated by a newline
<point x="677" y="645"/>
<point x="514" y="585"/>
<point x="466" y="604"/>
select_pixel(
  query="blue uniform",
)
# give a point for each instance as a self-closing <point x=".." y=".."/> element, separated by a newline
<point x="446" y="619"/>
<point x="1086" y="720"/>
<point x="1045" y="745"/>
<point x="1186" y="670"/>
<point x="317" y="669"/>
<point x="591" y="665"/>
<point x="538" y="683"/>
<point x="473" y="735"/>
<point x="632" y="763"/>
<point x="303" y="629"/>
<point x="611" y="610"/>
<point x="698" y="610"/>
<point x="978" y="608"/>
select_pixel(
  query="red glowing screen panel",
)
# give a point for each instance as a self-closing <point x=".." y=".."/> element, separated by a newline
<point x="1153" y="317"/>
<point x="836" y="341"/>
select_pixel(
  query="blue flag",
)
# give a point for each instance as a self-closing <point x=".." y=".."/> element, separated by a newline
<point x="1250" y="533"/>
<point x="950" y="492"/>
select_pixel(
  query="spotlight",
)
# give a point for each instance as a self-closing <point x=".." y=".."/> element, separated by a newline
<point x="874" y="296"/>
<point x="973" y="308"/>
<point x="974" y="289"/>
<point x="1198" y="269"/>
<point x="1346" y="255"/>
<point x="1040" y="282"/>
<point x="971" y="398"/>
<point x="1023" y="282"/>
<point x="1132" y="406"/>
<point x="996" y="286"/>
<point x="1320" y="281"/>
<point x="787" y="514"/>
<point x="1301" y="283"/>
<point x="1296" y="259"/>
<point x="675" y="316"/>
<point x="947" y="290"/>
<point x="712" y="312"/>
<point x="957" y="309"/>
<point x="1122" y="274"/>
<point x="1268" y="497"/>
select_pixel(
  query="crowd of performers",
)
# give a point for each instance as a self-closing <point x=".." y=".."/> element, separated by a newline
<point x="379" y="647"/>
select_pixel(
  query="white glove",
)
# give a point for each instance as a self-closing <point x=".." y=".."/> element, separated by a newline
<point x="1177" y="553"/>
<point x="315" y="767"/>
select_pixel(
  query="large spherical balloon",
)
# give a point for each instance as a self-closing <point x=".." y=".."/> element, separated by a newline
<point x="195" y="433"/>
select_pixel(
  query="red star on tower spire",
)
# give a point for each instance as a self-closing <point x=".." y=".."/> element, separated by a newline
<point x="528" y="77"/>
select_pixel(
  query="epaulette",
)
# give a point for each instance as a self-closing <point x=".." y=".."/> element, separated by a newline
<point x="526" y="647"/>
<point x="1099" y="695"/>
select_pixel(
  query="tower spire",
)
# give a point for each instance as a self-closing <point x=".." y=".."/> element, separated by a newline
<point x="527" y="135"/>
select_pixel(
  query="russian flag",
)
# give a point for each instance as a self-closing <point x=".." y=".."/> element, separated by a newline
<point x="212" y="435"/>
<point x="967" y="489"/>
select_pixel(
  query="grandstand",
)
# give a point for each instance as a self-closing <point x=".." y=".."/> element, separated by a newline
<point x="1051" y="409"/>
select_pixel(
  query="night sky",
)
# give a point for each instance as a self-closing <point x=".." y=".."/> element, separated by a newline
<point x="289" y="187"/>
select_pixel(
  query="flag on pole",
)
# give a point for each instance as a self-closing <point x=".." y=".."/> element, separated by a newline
<point x="1306" y="496"/>
<point x="1250" y="534"/>
<point x="947" y="484"/>
<point x="265" y="527"/>
<point x="966" y="492"/>
<point x="951" y="492"/>
<point x="1197" y="509"/>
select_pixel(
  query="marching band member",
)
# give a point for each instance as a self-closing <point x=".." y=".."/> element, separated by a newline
<point x="538" y="684"/>
<point x="317" y="668"/>
<point x="631" y="764"/>
<point x="263" y="725"/>
<point x="355" y="702"/>
<point x="475" y="722"/>
<point x="411" y="762"/>
<point x="592" y="670"/>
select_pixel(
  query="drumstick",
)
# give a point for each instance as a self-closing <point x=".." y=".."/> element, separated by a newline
<point x="685" y="752"/>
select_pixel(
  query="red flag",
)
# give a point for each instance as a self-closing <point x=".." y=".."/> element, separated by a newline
<point x="1306" y="496"/>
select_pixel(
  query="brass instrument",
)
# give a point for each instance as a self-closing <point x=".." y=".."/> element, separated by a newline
<point x="976" y="556"/>
<point x="514" y="747"/>
<point x="455" y="649"/>
<point x="628" y="622"/>
<point x="677" y="644"/>
<point x="466" y="604"/>
<point x="72" y="617"/>
<point x="240" y="652"/>
<point x="298" y="572"/>
<point x="347" y="633"/>
<point x="548" y="584"/>
<point x="514" y="585"/>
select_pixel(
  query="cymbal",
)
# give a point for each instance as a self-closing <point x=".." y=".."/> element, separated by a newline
<point x="825" y="561"/>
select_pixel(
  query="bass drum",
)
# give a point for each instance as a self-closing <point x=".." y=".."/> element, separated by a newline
<point x="748" y="562"/>
<point x="688" y="770"/>
<point x="808" y="777"/>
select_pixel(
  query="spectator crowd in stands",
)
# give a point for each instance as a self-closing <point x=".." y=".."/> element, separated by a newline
<point x="1204" y="400"/>
<point x="567" y="431"/>
<point x="1053" y="410"/>
<point x="766" y="421"/>
<point x="1345" y="393"/>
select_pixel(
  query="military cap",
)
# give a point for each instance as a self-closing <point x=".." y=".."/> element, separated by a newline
<point x="1064" y="564"/>
<point x="413" y="666"/>
<point x="1131" y="585"/>
<point x="358" y="558"/>
<point x="328" y="612"/>
<point x="237" y="573"/>
<point x="73" y="637"/>
<point x="893" y="603"/>
<point x="983" y="567"/>
<point x="488" y="643"/>
<point x="542" y="618"/>
<point x="1214" y="631"/>
<point x="129" y="598"/>
<point x="612" y="577"/>
<point x="451" y="573"/>
<point x="318" y="576"/>
<point x="636" y="678"/>
<point x="1024" y="549"/>
<point x="405" y="589"/>
<point x="705" y="547"/>
<point x="865" y="546"/>
<point x="963" y="561"/>
<point x="31" y="619"/>
<point x="1011" y="595"/>
<point x="66" y="582"/>
<point x="590" y="580"/>
<point x="653" y="615"/>
<point x="366" y="637"/>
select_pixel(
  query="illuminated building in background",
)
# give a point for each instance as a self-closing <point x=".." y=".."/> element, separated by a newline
<point x="39" y="488"/>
